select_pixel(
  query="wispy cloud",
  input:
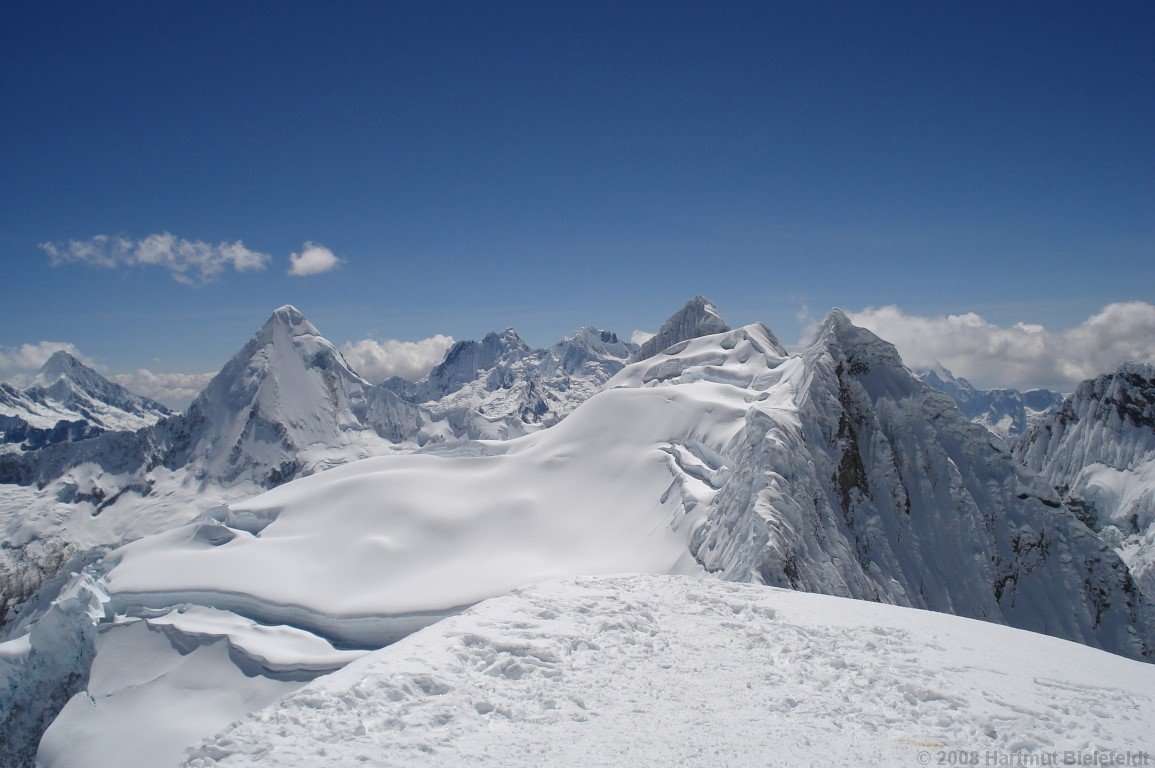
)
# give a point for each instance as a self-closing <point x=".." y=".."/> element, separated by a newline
<point x="641" y="337"/>
<point x="190" y="262"/>
<point x="1020" y="355"/>
<point x="313" y="260"/>
<point x="379" y="360"/>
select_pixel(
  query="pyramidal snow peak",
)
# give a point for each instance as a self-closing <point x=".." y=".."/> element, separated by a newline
<point x="68" y="401"/>
<point x="832" y="471"/>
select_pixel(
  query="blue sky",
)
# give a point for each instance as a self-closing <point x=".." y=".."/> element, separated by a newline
<point x="551" y="165"/>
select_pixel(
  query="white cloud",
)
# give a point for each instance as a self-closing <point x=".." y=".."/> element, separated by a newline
<point x="188" y="261"/>
<point x="641" y="337"/>
<point x="176" y="390"/>
<point x="312" y="260"/>
<point x="19" y="364"/>
<point x="379" y="360"/>
<point x="1021" y="355"/>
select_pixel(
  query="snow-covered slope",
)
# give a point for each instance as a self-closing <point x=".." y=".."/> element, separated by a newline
<point x="874" y="486"/>
<point x="499" y="388"/>
<point x="286" y="404"/>
<point x="1008" y="413"/>
<point x="1098" y="450"/>
<point x="68" y="401"/>
<point x="833" y="471"/>
<point x="665" y="671"/>
<point x="697" y="318"/>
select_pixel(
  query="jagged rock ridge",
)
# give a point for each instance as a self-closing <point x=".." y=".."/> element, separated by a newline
<point x="1098" y="451"/>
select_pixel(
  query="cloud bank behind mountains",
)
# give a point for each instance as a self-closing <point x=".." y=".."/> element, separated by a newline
<point x="1024" y="355"/>
<point x="379" y="360"/>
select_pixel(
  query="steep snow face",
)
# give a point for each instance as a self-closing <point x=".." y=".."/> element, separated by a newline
<point x="287" y="389"/>
<point x="834" y="471"/>
<point x="499" y="388"/>
<point x="698" y="318"/>
<point x="661" y="671"/>
<point x="1008" y="413"/>
<point x="1098" y="450"/>
<point x="877" y="487"/>
<point x="69" y="401"/>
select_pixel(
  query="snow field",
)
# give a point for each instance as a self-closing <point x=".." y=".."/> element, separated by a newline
<point x="660" y="671"/>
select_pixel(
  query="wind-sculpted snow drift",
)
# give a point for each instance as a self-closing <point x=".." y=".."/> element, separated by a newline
<point x="832" y="471"/>
<point x="1098" y="450"/>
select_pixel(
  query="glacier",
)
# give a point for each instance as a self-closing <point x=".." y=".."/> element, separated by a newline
<point x="723" y="457"/>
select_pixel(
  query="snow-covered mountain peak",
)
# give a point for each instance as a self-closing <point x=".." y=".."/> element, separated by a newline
<point x="289" y="321"/>
<point x="699" y="317"/>
<point x="1007" y="412"/>
<point x="1098" y="450"/>
<point x="858" y="353"/>
<point x="589" y="345"/>
<point x="287" y="389"/>
<point x="744" y="357"/>
<point x="68" y="401"/>
<point x="861" y="347"/>
<point x="60" y="364"/>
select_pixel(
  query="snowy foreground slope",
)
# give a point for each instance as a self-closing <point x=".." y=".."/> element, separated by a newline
<point x="666" y="671"/>
<point x="1098" y="450"/>
<point x="832" y="471"/>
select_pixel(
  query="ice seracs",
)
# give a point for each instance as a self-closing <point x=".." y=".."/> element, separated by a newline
<point x="1098" y="450"/>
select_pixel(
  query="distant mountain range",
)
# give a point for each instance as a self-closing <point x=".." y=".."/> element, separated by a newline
<point x="68" y="401"/>
<point x="835" y="470"/>
<point x="1009" y="413"/>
